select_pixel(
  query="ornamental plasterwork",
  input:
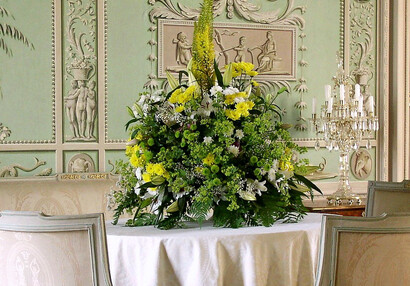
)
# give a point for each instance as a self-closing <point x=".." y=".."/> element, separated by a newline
<point x="362" y="60"/>
<point x="80" y="102"/>
<point x="290" y="16"/>
<point x="13" y="169"/>
<point x="4" y="132"/>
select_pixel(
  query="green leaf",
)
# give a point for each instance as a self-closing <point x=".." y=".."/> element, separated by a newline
<point x="227" y="77"/>
<point x="173" y="207"/>
<point x="157" y="180"/>
<point x="130" y="112"/>
<point x="218" y="74"/>
<point x="173" y="83"/>
<point x="306" y="170"/>
<point x="130" y="122"/>
<point x="282" y="90"/>
<point x="307" y="183"/>
<point x="138" y="109"/>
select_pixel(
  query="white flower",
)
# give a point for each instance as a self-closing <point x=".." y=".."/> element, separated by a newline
<point x="137" y="189"/>
<point x="138" y="173"/>
<point x="208" y="140"/>
<point x="206" y="106"/>
<point x="234" y="150"/>
<point x="272" y="175"/>
<point x="247" y="196"/>
<point x="215" y="89"/>
<point x="151" y="192"/>
<point x="239" y="134"/>
<point x="256" y="186"/>
<point x="230" y="90"/>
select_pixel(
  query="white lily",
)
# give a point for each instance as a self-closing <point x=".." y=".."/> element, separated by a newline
<point x="138" y="173"/>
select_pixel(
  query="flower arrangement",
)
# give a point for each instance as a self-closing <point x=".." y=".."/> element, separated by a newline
<point x="213" y="143"/>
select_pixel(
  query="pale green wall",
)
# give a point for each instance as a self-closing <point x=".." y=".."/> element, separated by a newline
<point x="31" y="107"/>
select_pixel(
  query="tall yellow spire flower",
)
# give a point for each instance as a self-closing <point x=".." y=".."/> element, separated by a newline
<point x="203" y="53"/>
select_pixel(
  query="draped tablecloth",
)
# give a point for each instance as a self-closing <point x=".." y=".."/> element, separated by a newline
<point x="284" y="254"/>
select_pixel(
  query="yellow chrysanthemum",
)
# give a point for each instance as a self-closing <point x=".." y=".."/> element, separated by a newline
<point x="209" y="160"/>
<point x="232" y="114"/>
<point x="150" y="168"/>
<point x="137" y="161"/>
<point x="175" y="96"/>
<point x="254" y="83"/>
<point x="159" y="169"/>
<point x="179" y="108"/>
<point x="146" y="177"/>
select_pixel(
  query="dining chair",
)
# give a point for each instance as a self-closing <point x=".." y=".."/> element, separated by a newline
<point x="387" y="197"/>
<point x="36" y="249"/>
<point x="357" y="251"/>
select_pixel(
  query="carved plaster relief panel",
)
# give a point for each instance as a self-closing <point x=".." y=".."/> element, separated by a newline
<point x="80" y="68"/>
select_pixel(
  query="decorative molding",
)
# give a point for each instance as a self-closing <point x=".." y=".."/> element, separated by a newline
<point x="81" y="67"/>
<point x="361" y="61"/>
<point x="4" y="132"/>
<point x="53" y="89"/>
<point x="12" y="170"/>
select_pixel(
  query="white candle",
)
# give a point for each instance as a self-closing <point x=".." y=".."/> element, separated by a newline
<point x="330" y="105"/>
<point x="314" y="105"/>
<point x="360" y="107"/>
<point x="328" y="90"/>
<point x="342" y="92"/>
<point x="371" y="104"/>
<point x="356" y="92"/>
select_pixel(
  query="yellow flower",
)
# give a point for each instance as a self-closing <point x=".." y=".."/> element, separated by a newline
<point x="232" y="114"/>
<point x="150" y="168"/>
<point x="137" y="161"/>
<point x="128" y="150"/>
<point x="179" y="108"/>
<point x="243" y="107"/>
<point x="230" y="98"/>
<point x="254" y="83"/>
<point x="175" y="96"/>
<point x="252" y="73"/>
<point x="190" y="90"/>
<point x="146" y="177"/>
<point x="159" y="169"/>
<point x="209" y="160"/>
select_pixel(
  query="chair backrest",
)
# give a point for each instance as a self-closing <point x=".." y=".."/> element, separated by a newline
<point x="387" y="197"/>
<point x="358" y="251"/>
<point x="36" y="249"/>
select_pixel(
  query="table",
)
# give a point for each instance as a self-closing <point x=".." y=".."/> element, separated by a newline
<point x="284" y="254"/>
<point x="321" y="206"/>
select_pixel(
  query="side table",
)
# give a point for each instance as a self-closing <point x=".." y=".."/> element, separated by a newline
<point x="322" y="206"/>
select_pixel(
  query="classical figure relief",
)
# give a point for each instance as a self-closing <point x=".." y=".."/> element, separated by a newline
<point x="361" y="164"/>
<point x="183" y="49"/>
<point x="80" y="101"/>
<point x="81" y="163"/>
<point x="267" y="59"/>
<point x="271" y="49"/>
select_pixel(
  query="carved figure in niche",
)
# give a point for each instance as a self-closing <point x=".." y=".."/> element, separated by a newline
<point x="361" y="164"/>
<point x="268" y="55"/>
<point x="239" y="49"/>
<point x="70" y="103"/>
<point x="183" y="49"/>
<point x="91" y="108"/>
<point x="81" y="108"/>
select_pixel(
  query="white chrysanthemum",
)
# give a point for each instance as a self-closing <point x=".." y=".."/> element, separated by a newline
<point x="230" y="90"/>
<point x="215" y="89"/>
<point x="239" y="134"/>
<point x="234" y="150"/>
<point x="208" y="140"/>
<point x="272" y="175"/>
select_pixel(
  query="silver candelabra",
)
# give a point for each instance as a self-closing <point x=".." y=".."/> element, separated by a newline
<point x="343" y="120"/>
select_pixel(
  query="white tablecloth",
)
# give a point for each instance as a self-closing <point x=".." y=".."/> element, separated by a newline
<point x="284" y="254"/>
